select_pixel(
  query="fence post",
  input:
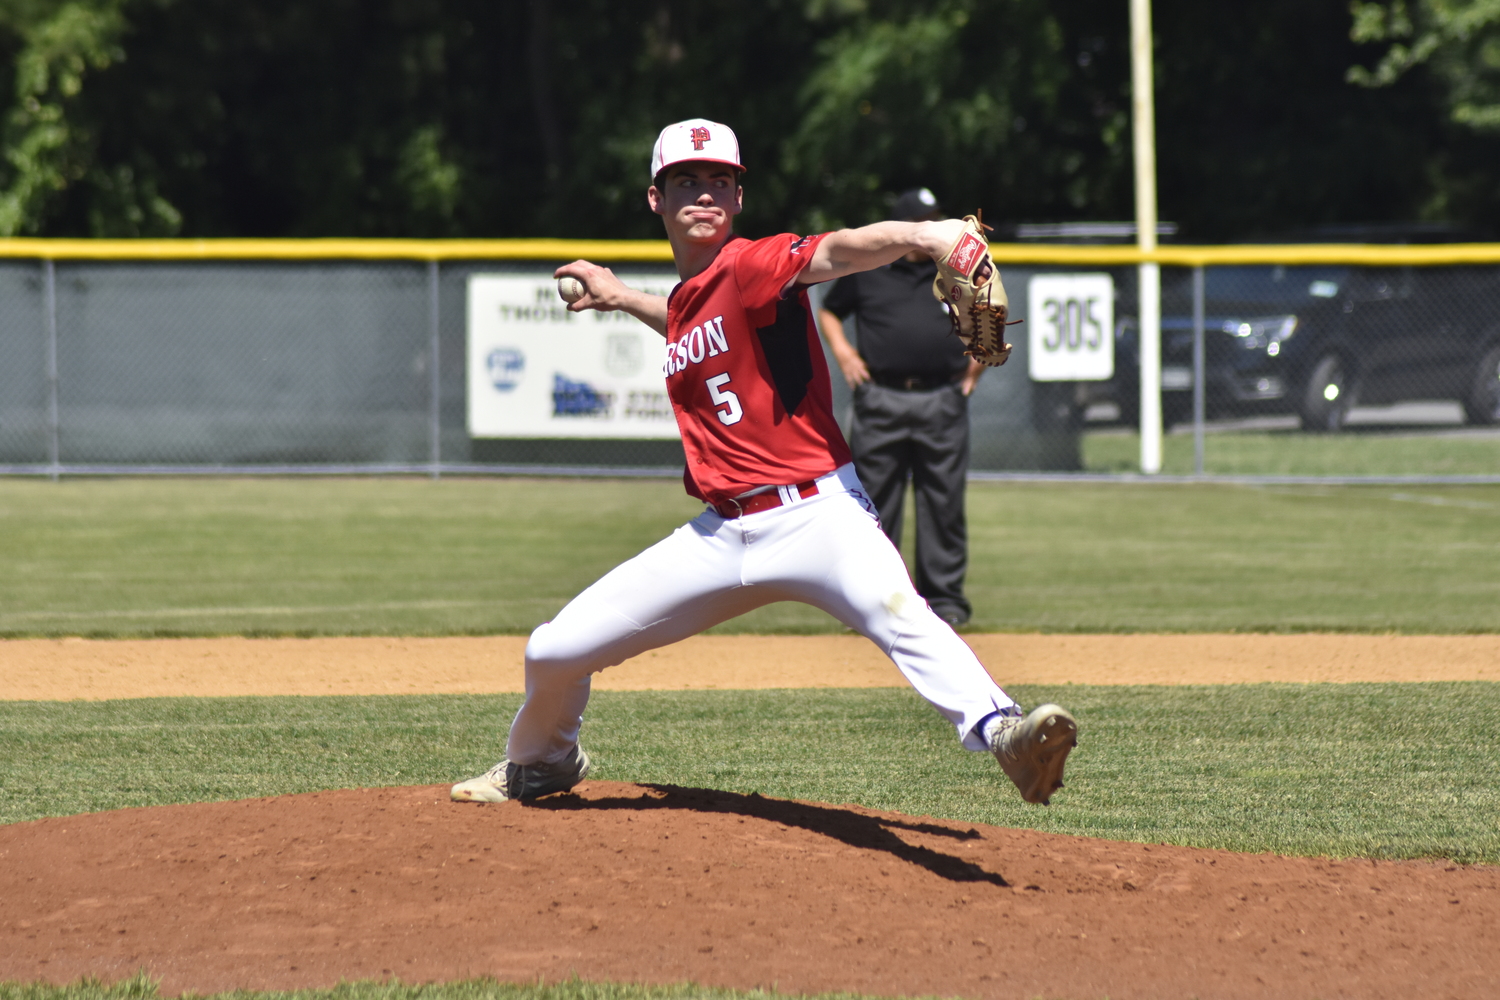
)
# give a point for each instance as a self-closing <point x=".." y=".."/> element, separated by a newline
<point x="435" y="428"/>
<point x="54" y="416"/>
<point x="1199" y="389"/>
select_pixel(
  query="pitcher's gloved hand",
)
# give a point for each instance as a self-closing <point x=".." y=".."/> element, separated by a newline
<point x="968" y="284"/>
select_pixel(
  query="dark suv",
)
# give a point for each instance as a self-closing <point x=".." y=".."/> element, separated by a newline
<point x="1317" y="340"/>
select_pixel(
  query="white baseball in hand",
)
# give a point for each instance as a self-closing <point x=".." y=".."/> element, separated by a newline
<point x="571" y="289"/>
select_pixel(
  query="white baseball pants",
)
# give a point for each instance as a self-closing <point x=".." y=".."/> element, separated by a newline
<point x="826" y="550"/>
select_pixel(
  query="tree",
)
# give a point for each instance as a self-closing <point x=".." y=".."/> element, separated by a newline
<point x="908" y="94"/>
<point x="496" y="118"/>
<point x="1458" y="39"/>
<point x="52" y="47"/>
<point x="1259" y="135"/>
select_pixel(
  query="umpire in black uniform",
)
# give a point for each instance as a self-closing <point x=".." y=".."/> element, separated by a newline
<point x="911" y="382"/>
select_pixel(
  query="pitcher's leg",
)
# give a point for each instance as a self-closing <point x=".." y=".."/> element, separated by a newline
<point x="829" y="553"/>
<point x="688" y="582"/>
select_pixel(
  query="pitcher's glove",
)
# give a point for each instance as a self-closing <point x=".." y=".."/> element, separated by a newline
<point x="968" y="284"/>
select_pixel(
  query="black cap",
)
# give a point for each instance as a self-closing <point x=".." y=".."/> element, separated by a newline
<point x="917" y="203"/>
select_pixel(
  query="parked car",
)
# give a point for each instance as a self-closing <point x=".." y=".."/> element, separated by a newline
<point x="1317" y="340"/>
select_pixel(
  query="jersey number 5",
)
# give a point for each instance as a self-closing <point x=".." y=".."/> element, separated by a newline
<point x="732" y="411"/>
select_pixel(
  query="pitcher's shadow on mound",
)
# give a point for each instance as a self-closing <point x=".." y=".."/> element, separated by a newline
<point x="865" y="832"/>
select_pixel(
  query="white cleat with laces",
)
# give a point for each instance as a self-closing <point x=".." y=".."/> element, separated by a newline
<point x="506" y="781"/>
<point x="1032" y="750"/>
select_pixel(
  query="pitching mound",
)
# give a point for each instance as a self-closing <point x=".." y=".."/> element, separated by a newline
<point x="663" y="884"/>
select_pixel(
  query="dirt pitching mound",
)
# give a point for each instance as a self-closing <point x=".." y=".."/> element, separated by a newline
<point x="663" y="884"/>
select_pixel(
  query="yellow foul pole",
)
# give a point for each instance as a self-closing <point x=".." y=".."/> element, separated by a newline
<point x="1144" y="117"/>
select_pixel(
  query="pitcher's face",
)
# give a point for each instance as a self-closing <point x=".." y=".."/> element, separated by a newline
<point x="699" y="202"/>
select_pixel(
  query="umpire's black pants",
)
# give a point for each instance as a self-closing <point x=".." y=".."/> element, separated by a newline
<point x="922" y="436"/>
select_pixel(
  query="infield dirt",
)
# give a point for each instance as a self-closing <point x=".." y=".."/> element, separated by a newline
<point x="664" y="884"/>
<point x="62" y="669"/>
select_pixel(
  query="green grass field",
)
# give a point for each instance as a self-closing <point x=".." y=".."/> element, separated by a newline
<point x="1371" y="770"/>
<point x="1344" y="770"/>
<point x="151" y="557"/>
<point x="142" y="988"/>
<point x="1356" y="452"/>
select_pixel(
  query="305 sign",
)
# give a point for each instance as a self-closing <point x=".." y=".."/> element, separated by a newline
<point x="1071" y="323"/>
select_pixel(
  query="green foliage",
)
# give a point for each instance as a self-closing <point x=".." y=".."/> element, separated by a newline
<point x="896" y="101"/>
<point x="433" y="181"/>
<point x="54" y="45"/>
<point x="474" y="118"/>
<point x="1459" y="39"/>
<point x="114" y="558"/>
<point x="1322" y="769"/>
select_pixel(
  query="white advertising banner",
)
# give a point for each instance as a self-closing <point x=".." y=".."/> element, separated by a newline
<point x="1071" y="327"/>
<point x="536" y="370"/>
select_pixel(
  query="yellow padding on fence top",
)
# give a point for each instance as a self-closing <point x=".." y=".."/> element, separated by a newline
<point x="659" y="251"/>
<point x="560" y="250"/>
<point x="1296" y="253"/>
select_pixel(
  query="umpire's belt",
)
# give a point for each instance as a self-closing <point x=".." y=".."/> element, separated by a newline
<point x="755" y="503"/>
<point x="912" y="383"/>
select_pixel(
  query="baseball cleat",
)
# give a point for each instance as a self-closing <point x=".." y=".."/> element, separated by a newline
<point x="1033" y="750"/>
<point x="507" y="781"/>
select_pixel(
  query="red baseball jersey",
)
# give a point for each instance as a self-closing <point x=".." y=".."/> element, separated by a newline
<point x="746" y="373"/>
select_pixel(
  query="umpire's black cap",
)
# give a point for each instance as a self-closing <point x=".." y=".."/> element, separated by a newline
<point x="918" y="203"/>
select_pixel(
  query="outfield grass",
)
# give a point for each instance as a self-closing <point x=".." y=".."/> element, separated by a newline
<point x="1356" y="452"/>
<point x="1373" y="770"/>
<point x="151" y="557"/>
<point x="142" y="988"/>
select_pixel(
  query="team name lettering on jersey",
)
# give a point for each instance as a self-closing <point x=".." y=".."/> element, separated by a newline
<point x="706" y="340"/>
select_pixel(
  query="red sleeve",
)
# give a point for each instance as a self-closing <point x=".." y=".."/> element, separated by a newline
<point x="763" y="269"/>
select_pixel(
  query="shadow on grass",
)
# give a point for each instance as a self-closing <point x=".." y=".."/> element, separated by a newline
<point x="864" y="832"/>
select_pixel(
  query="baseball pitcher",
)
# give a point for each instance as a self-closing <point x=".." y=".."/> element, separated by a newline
<point x="786" y="518"/>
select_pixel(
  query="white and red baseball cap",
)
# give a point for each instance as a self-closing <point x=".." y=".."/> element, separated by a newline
<point x="695" y="139"/>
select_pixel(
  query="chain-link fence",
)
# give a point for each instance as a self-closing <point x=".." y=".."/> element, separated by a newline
<point x="1311" y="369"/>
<point x="253" y="365"/>
<point x="276" y="362"/>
